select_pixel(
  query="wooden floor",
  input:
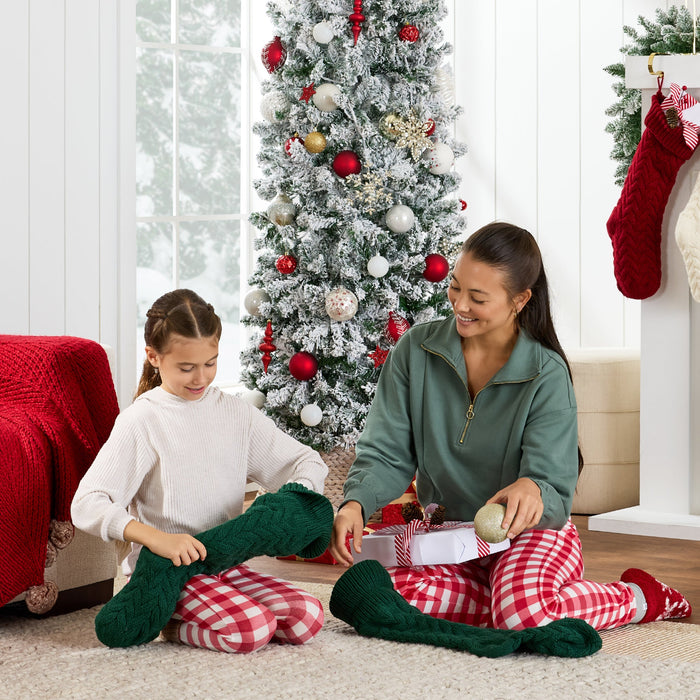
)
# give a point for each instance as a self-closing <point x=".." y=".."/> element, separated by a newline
<point x="606" y="556"/>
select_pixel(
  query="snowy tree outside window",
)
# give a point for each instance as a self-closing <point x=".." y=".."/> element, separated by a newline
<point x="188" y="160"/>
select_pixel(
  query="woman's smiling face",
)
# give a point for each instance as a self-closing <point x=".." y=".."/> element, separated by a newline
<point x="480" y="300"/>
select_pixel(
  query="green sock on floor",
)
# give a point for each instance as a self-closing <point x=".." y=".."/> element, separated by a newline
<point x="365" y="598"/>
<point x="294" y="520"/>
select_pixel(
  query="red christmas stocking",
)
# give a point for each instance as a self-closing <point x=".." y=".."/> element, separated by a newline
<point x="635" y="223"/>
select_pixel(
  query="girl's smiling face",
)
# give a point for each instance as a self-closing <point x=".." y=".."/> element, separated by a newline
<point x="480" y="300"/>
<point x="188" y="366"/>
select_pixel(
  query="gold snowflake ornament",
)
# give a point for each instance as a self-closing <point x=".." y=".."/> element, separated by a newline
<point x="412" y="134"/>
<point x="369" y="193"/>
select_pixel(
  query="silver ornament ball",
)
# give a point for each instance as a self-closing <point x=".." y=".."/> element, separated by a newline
<point x="253" y="299"/>
<point x="325" y="97"/>
<point x="400" y="218"/>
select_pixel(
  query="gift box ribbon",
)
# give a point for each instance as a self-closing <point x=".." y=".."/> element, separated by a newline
<point x="402" y="541"/>
<point x="681" y="100"/>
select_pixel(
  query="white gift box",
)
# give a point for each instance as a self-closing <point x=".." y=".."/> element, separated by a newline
<point x="450" y="543"/>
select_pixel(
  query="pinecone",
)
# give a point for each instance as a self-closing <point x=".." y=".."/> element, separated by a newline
<point x="411" y="511"/>
<point x="672" y="117"/>
<point x="438" y="516"/>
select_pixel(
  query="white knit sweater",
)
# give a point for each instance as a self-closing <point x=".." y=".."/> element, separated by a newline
<point x="182" y="466"/>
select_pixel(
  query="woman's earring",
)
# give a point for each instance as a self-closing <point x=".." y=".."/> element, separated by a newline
<point x="155" y="371"/>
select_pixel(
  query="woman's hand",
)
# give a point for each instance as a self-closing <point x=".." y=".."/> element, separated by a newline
<point x="347" y="520"/>
<point x="180" y="548"/>
<point x="524" y="506"/>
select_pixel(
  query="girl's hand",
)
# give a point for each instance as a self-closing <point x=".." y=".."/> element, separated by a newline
<point x="180" y="548"/>
<point x="347" y="520"/>
<point x="524" y="506"/>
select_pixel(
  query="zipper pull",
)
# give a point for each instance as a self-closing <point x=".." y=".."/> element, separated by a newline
<point x="470" y="411"/>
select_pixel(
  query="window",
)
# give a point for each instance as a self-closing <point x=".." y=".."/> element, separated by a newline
<point x="190" y="107"/>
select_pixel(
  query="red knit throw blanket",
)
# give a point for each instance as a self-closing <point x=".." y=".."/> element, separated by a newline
<point x="57" y="408"/>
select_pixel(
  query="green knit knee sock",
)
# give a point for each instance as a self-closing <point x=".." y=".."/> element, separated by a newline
<point x="294" y="520"/>
<point x="365" y="598"/>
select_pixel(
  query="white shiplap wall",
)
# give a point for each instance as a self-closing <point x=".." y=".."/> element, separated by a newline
<point x="527" y="72"/>
<point x="67" y="231"/>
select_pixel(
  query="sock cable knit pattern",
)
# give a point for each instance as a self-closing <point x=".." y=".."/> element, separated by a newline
<point x="634" y="226"/>
<point x="365" y="598"/>
<point x="294" y="520"/>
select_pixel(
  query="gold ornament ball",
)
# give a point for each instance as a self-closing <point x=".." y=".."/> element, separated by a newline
<point x="389" y="125"/>
<point x="487" y="523"/>
<point x="315" y="142"/>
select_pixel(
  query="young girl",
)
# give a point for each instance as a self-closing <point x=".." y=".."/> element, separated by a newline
<point x="481" y="408"/>
<point x="177" y="462"/>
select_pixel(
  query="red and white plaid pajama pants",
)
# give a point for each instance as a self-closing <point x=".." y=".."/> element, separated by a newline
<point x="537" y="580"/>
<point x="240" y="610"/>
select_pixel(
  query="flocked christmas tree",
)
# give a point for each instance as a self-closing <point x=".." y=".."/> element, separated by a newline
<point x="357" y="156"/>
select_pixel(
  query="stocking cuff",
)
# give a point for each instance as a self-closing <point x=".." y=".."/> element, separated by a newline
<point x="671" y="139"/>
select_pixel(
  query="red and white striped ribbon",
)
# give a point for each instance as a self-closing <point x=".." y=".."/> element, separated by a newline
<point x="483" y="548"/>
<point x="402" y="541"/>
<point x="679" y="98"/>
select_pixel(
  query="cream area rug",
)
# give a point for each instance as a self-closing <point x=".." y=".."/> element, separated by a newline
<point x="60" y="657"/>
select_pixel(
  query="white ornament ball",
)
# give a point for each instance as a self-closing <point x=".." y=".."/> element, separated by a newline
<point x="281" y="210"/>
<point x="325" y="96"/>
<point x="341" y="304"/>
<point x="274" y="106"/>
<point x="400" y="218"/>
<point x="311" y="415"/>
<point x="254" y="397"/>
<point x="323" y="32"/>
<point x="440" y="158"/>
<point x="253" y="299"/>
<point x="378" y="266"/>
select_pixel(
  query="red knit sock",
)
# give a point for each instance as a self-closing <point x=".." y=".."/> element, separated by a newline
<point x="663" y="602"/>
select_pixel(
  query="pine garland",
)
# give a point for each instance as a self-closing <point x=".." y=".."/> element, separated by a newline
<point x="672" y="33"/>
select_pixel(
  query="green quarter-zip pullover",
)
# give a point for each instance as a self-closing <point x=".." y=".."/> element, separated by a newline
<point x="462" y="449"/>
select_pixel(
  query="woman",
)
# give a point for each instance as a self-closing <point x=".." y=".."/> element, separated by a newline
<point x="480" y="408"/>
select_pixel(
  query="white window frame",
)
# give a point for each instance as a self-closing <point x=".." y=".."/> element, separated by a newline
<point x="127" y="369"/>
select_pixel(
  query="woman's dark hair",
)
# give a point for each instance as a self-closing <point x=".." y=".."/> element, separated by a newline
<point x="181" y="312"/>
<point x="514" y="251"/>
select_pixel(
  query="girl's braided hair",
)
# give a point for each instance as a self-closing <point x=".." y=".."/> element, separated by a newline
<point x="181" y="312"/>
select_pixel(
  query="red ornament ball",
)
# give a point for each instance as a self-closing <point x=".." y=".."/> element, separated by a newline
<point x="273" y="55"/>
<point x="288" y="143"/>
<point x="303" y="366"/>
<point x="429" y="127"/>
<point x="286" y="264"/>
<point x="462" y="204"/>
<point x="346" y="163"/>
<point x="409" y="32"/>
<point x="396" y="326"/>
<point x="436" y="267"/>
